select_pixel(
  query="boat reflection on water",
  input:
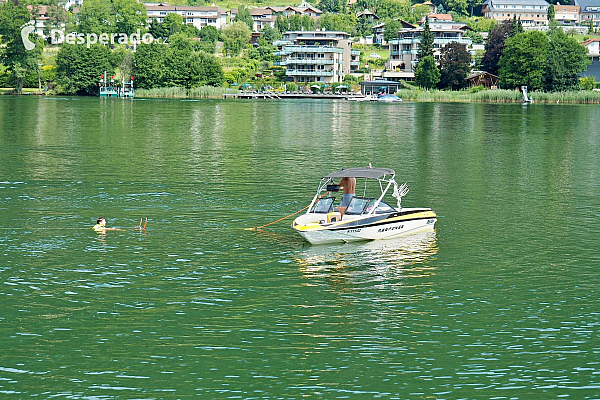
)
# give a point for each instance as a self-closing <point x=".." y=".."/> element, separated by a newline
<point x="402" y="257"/>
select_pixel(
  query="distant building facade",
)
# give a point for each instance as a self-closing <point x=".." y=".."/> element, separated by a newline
<point x="263" y="16"/>
<point x="567" y="15"/>
<point x="593" y="48"/>
<point x="311" y="56"/>
<point x="532" y="13"/>
<point x="590" y="11"/>
<point x="40" y="15"/>
<point x="197" y="16"/>
<point x="404" y="50"/>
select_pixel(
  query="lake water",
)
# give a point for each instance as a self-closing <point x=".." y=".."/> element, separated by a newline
<point x="502" y="302"/>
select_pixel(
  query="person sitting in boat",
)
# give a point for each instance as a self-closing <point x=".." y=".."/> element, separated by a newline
<point x="101" y="226"/>
<point x="349" y="186"/>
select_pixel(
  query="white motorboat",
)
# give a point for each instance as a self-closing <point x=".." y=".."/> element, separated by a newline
<point x="365" y="218"/>
<point x="361" y="98"/>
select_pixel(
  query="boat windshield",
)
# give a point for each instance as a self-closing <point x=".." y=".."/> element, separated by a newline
<point x="360" y="205"/>
<point x="357" y="205"/>
<point x="323" y="206"/>
<point x="382" y="208"/>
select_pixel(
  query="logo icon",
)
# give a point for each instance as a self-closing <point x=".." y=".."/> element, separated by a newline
<point x="25" y="31"/>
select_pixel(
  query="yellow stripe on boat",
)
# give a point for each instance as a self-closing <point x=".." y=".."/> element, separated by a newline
<point x="316" y="225"/>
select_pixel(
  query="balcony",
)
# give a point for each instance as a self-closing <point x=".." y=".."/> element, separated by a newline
<point x="355" y="52"/>
<point x="355" y="63"/>
<point x="310" y="49"/>
<point x="405" y="41"/>
<point x="278" y="43"/>
<point x="299" y="72"/>
<point x="307" y="61"/>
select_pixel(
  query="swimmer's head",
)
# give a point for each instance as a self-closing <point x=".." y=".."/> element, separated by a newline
<point x="101" y="221"/>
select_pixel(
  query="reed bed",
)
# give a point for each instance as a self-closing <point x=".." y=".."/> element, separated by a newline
<point x="202" y="92"/>
<point x="500" y="96"/>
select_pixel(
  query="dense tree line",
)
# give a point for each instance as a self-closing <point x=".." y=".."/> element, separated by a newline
<point x="541" y="61"/>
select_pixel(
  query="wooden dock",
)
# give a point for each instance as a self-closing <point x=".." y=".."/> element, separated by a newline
<point x="279" y="96"/>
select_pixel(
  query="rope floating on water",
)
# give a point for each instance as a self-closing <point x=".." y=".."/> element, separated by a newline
<point x="256" y="228"/>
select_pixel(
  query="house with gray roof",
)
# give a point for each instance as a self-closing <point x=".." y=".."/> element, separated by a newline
<point x="590" y="11"/>
<point x="532" y="13"/>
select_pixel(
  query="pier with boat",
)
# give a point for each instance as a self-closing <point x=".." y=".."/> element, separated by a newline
<point x="110" y="88"/>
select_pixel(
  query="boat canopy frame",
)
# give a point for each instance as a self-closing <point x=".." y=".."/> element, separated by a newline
<point x="384" y="176"/>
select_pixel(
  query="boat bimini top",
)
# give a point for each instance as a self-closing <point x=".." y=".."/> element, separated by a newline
<point x="385" y="177"/>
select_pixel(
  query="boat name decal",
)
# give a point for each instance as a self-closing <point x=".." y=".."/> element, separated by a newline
<point x="354" y="230"/>
<point x="391" y="228"/>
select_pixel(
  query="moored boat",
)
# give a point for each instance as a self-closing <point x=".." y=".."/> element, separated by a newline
<point x="365" y="218"/>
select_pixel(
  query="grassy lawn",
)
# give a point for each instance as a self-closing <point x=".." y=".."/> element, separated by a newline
<point x="582" y="38"/>
<point x="25" y="90"/>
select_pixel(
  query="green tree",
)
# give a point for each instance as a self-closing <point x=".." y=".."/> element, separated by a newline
<point x="566" y="59"/>
<point x="269" y="35"/>
<point x="111" y="16"/>
<point x="458" y="6"/>
<point x="455" y="64"/>
<point x="14" y="55"/>
<point x="236" y="37"/>
<point x="472" y="4"/>
<point x="551" y="13"/>
<point x="205" y="70"/>
<point x="243" y="15"/>
<point x="426" y="43"/>
<point x="516" y="27"/>
<point x="209" y="33"/>
<point x="332" y="6"/>
<point x="338" y="22"/>
<point x="79" y="68"/>
<point x="95" y="16"/>
<point x="391" y="30"/>
<point x="173" y="23"/>
<point x="184" y="67"/>
<point x="427" y="74"/>
<point x="524" y="61"/>
<point x="476" y="37"/>
<point x="130" y="15"/>
<point x="158" y="30"/>
<point x="148" y="65"/>
<point x="588" y="82"/>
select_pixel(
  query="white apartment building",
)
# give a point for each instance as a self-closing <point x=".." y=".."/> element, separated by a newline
<point x="567" y="15"/>
<point x="590" y="10"/>
<point x="532" y="13"/>
<point x="404" y="50"/>
<point x="311" y="56"/>
<point x="197" y="16"/>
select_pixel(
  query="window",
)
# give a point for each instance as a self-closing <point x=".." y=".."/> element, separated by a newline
<point x="356" y="206"/>
<point x="382" y="208"/>
<point x="323" y="206"/>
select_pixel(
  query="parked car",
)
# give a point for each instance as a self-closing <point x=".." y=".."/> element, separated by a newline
<point x="374" y="55"/>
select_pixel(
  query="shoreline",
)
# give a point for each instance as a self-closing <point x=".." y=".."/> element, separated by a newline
<point x="500" y="96"/>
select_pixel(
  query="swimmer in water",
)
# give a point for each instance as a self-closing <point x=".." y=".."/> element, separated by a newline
<point x="101" y="226"/>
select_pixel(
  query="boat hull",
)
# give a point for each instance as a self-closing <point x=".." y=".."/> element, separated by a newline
<point x="387" y="228"/>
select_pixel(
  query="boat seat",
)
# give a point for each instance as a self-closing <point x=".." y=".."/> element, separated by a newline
<point x="333" y="217"/>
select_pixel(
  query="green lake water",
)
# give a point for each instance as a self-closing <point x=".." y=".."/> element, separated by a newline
<point x="501" y="302"/>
